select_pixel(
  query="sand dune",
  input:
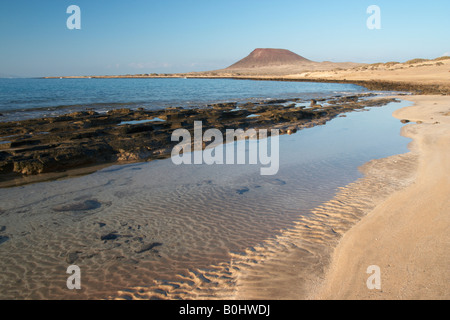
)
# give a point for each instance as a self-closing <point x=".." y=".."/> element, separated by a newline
<point x="424" y="72"/>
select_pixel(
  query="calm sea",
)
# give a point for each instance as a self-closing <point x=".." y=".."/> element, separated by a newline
<point x="29" y="98"/>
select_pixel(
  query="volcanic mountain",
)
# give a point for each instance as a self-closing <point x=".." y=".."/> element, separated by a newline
<point x="270" y="62"/>
<point x="274" y="62"/>
<point x="269" y="57"/>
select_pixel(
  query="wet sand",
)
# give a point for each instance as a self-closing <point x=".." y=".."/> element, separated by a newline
<point x="408" y="234"/>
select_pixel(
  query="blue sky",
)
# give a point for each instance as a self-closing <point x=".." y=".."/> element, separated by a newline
<point x="164" y="36"/>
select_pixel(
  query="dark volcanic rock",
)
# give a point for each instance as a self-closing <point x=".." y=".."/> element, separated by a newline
<point x="86" y="138"/>
<point x="119" y="111"/>
<point x="110" y="236"/>
<point x="149" y="247"/>
<point x="276" y="182"/>
<point x="242" y="190"/>
<point x="72" y="257"/>
<point x="6" y="167"/>
<point x="3" y="239"/>
<point x="79" y="206"/>
<point x="28" y="167"/>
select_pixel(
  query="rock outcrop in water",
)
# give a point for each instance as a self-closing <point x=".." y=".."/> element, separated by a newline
<point x="82" y="139"/>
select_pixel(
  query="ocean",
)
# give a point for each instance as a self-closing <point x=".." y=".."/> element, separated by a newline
<point x="33" y="98"/>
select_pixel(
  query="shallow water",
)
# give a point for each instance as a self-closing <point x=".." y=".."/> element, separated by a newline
<point x="140" y="121"/>
<point x="170" y="222"/>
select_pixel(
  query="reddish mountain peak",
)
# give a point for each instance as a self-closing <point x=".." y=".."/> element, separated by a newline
<point x="269" y="57"/>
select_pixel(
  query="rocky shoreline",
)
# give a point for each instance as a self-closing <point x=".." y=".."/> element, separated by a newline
<point x="38" y="147"/>
<point x="378" y="85"/>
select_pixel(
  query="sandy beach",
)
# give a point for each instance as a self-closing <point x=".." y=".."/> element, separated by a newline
<point x="407" y="236"/>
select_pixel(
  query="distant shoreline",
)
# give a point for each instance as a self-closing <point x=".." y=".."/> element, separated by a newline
<point x="418" y="76"/>
<point x="378" y="85"/>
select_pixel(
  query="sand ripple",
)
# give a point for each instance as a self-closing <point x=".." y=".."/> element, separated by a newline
<point x="292" y="264"/>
